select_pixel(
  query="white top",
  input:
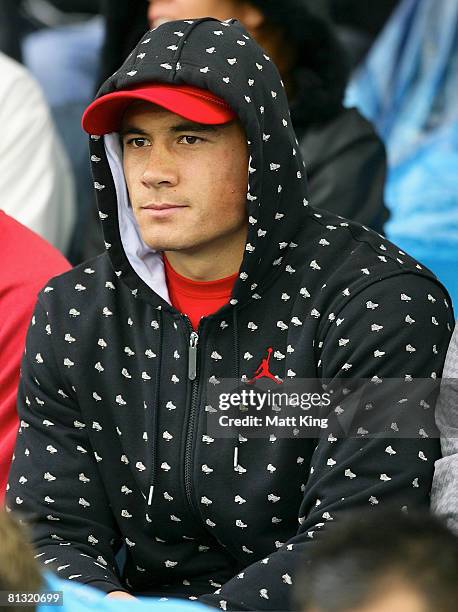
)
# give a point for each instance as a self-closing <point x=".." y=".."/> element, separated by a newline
<point x="36" y="181"/>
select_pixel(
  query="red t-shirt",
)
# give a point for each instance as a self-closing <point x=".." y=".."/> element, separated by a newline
<point x="197" y="299"/>
<point x="27" y="262"/>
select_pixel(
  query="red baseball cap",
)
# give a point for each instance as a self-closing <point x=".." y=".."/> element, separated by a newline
<point x="104" y="115"/>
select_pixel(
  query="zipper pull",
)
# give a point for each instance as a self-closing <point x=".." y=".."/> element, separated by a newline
<point x="192" y="358"/>
<point x="150" y="496"/>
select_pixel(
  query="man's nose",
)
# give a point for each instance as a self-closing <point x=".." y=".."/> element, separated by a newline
<point x="161" y="169"/>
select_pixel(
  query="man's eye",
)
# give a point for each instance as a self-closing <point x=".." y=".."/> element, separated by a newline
<point x="138" y="143"/>
<point x="190" y="140"/>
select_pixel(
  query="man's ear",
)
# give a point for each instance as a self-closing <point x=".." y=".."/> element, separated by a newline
<point x="252" y="18"/>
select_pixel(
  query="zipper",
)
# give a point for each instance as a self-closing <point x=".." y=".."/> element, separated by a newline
<point x="192" y="376"/>
<point x="192" y="355"/>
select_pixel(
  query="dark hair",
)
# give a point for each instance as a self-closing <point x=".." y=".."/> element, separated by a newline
<point x="351" y="561"/>
<point x="323" y="67"/>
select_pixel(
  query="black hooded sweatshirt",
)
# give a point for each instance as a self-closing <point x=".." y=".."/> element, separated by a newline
<point x="113" y="446"/>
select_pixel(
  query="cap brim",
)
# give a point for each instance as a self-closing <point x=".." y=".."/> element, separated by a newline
<point x="105" y="114"/>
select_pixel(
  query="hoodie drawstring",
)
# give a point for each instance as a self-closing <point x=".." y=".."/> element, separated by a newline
<point x="237" y="377"/>
<point x="155" y="414"/>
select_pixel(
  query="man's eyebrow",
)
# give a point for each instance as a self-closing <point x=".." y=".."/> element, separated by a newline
<point x="132" y="129"/>
<point x="191" y="126"/>
<point x="184" y="126"/>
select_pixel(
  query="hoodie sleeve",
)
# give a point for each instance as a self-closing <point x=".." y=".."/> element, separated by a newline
<point x="54" y="473"/>
<point x="398" y="327"/>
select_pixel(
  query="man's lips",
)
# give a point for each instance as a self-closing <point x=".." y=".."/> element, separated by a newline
<point x="163" y="210"/>
<point x="162" y="206"/>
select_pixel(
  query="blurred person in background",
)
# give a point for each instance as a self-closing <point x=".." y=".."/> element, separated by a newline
<point x="36" y="183"/>
<point x="407" y="86"/>
<point x="444" y="494"/>
<point x="381" y="561"/>
<point x="345" y="159"/>
<point x="27" y="262"/>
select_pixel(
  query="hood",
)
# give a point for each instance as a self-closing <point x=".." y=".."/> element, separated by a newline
<point x="223" y="58"/>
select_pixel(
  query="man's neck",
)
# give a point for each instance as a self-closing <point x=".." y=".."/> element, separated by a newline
<point x="209" y="263"/>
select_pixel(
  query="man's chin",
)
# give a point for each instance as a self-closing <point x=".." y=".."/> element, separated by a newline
<point x="160" y="245"/>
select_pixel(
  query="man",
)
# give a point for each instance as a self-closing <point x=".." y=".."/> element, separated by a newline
<point x="27" y="263"/>
<point x="116" y="384"/>
<point x="382" y="563"/>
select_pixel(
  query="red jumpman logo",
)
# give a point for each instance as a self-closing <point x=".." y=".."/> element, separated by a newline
<point x="263" y="370"/>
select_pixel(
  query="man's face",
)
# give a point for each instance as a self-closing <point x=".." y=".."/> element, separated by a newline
<point x="187" y="182"/>
<point x="161" y="11"/>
